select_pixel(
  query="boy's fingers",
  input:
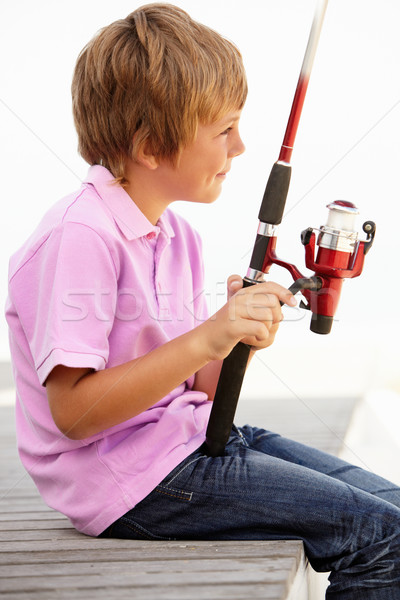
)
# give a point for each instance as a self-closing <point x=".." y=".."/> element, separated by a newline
<point x="290" y="299"/>
<point x="281" y="292"/>
<point x="234" y="284"/>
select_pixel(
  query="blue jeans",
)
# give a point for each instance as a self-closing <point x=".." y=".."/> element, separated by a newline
<point x="267" y="487"/>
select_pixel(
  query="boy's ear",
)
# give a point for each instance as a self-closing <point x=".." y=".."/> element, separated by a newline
<point x="145" y="157"/>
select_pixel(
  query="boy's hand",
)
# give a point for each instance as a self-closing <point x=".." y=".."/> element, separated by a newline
<point x="251" y="315"/>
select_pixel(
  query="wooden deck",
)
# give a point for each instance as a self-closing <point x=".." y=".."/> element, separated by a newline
<point x="42" y="557"/>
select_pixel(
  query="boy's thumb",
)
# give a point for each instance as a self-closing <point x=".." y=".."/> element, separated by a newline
<point x="234" y="283"/>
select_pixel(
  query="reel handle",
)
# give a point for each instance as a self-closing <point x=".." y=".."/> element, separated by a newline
<point x="228" y="389"/>
<point x="227" y="396"/>
<point x="226" y="399"/>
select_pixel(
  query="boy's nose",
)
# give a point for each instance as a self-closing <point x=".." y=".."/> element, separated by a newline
<point x="238" y="147"/>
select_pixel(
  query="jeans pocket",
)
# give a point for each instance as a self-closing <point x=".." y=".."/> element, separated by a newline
<point x="128" y="528"/>
<point x="174" y="493"/>
<point x="179" y="476"/>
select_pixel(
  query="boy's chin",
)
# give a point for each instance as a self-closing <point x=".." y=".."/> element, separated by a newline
<point x="211" y="199"/>
<point x="207" y="198"/>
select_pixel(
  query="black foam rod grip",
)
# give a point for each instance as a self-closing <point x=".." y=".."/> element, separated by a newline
<point x="276" y="191"/>
<point x="226" y="399"/>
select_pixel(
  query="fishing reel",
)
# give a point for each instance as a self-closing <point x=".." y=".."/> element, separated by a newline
<point x="340" y="256"/>
<point x="334" y="252"/>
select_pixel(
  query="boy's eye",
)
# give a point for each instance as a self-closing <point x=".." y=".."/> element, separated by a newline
<point x="227" y="131"/>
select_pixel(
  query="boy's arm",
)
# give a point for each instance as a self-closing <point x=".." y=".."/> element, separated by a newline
<point x="84" y="403"/>
<point x="206" y="379"/>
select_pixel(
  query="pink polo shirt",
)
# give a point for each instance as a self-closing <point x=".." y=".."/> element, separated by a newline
<point x="97" y="285"/>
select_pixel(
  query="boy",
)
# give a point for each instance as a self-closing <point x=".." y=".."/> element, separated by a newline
<point x="115" y="358"/>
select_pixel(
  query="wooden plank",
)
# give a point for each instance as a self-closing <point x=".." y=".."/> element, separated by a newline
<point x="188" y="576"/>
<point x="149" y="566"/>
<point x="139" y="548"/>
<point x="36" y="504"/>
<point x="28" y="491"/>
<point x="154" y="573"/>
<point x="32" y="500"/>
<point x="117" y="550"/>
<point x="12" y="486"/>
<point x="28" y="497"/>
<point x="175" y="592"/>
<point x="31" y="515"/>
<point x="157" y="582"/>
<point x="39" y="534"/>
<point x="14" y="526"/>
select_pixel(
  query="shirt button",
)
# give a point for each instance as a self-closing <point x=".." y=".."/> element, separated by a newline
<point x="151" y="235"/>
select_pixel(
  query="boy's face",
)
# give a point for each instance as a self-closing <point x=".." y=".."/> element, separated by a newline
<point x="204" y="164"/>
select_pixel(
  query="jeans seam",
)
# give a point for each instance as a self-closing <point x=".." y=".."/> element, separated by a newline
<point x="244" y="441"/>
<point x="180" y="494"/>
<point x="182" y="469"/>
<point x="141" y="530"/>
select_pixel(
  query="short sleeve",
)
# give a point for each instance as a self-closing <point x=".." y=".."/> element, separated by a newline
<point x="65" y="297"/>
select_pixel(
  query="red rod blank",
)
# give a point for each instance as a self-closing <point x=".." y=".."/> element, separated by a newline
<point x="293" y="122"/>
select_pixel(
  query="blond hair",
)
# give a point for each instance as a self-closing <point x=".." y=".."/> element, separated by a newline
<point x="151" y="79"/>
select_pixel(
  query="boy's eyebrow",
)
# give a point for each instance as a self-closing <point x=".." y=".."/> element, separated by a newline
<point x="230" y="119"/>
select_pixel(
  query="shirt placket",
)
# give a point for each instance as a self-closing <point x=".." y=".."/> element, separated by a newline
<point x="162" y="288"/>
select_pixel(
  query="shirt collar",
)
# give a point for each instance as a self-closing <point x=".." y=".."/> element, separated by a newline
<point x="129" y="218"/>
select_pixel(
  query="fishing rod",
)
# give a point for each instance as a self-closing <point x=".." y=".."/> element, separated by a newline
<point x="340" y="255"/>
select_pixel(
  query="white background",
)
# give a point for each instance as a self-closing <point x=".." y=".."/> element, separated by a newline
<point x="346" y="147"/>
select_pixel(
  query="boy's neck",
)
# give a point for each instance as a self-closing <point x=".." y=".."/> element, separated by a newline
<point x="144" y="189"/>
